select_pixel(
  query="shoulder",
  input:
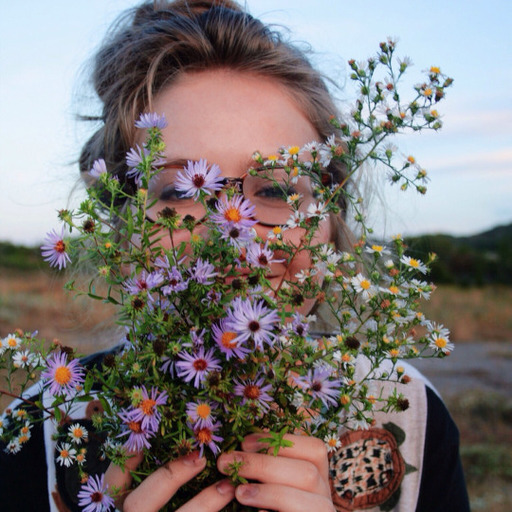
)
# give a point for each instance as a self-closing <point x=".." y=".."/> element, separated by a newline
<point x="388" y="466"/>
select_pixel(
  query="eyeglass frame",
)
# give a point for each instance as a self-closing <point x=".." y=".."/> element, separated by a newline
<point x="228" y="180"/>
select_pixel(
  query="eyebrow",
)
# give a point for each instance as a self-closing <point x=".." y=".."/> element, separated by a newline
<point x="183" y="162"/>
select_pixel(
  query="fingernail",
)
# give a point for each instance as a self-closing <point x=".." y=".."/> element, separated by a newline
<point x="193" y="459"/>
<point x="247" y="491"/>
<point x="252" y="443"/>
<point x="225" y="487"/>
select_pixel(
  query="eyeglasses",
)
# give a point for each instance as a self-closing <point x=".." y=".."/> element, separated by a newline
<point x="270" y="191"/>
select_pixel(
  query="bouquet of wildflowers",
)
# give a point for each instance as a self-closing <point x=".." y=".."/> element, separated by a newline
<point x="214" y="347"/>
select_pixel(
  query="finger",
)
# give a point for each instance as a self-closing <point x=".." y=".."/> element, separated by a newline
<point x="304" y="447"/>
<point x="282" y="498"/>
<point x="297" y="473"/>
<point x="211" y="499"/>
<point x="159" y="487"/>
<point x="120" y="478"/>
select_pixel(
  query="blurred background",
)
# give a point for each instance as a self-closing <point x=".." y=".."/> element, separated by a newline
<point x="466" y="216"/>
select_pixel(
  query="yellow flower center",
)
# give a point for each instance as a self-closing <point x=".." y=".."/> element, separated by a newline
<point x="78" y="432"/>
<point x="393" y="289"/>
<point x="147" y="406"/>
<point x="251" y="392"/>
<point x="294" y="150"/>
<point x="365" y="284"/>
<point x="394" y="352"/>
<point x="435" y="69"/>
<point x="64" y="454"/>
<point x="277" y="230"/>
<point x="332" y="442"/>
<point x="441" y="342"/>
<point x="414" y="263"/>
<point x="204" y="435"/>
<point x="227" y="339"/>
<point x="345" y="399"/>
<point x="377" y="248"/>
<point x="62" y="375"/>
<point x="203" y="411"/>
<point x="135" y="426"/>
<point x="411" y="159"/>
<point x="12" y="342"/>
<point x="23" y="439"/>
<point x="427" y="92"/>
<point x="233" y="214"/>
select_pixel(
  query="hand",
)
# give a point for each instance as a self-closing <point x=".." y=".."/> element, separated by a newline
<point x="159" y="487"/>
<point x="296" y="480"/>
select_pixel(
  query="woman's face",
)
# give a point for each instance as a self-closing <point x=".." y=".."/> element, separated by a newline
<point x="225" y="116"/>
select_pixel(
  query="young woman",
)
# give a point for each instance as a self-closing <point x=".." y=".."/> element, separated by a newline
<point x="228" y="85"/>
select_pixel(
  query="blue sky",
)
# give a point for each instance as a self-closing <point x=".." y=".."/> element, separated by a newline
<point x="44" y="45"/>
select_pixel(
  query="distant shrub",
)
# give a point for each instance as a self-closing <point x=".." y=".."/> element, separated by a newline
<point x="18" y="257"/>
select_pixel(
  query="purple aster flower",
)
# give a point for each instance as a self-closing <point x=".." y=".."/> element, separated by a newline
<point x="63" y="377"/>
<point x="212" y="297"/>
<point x="203" y="272"/>
<point x="168" y="365"/>
<point x="252" y="321"/>
<point x="197" y="337"/>
<point x="54" y="249"/>
<point x="235" y="212"/>
<point x="146" y="411"/>
<point x="197" y="178"/>
<point x="99" y="167"/>
<point x="254" y="391"/>
<point x="197" y="365"/>
<point x="134" y="158"/>
<point x="206" y="436"/>
<point x="144" y="282"/>
<point x="227" y="343"/>
<point x="237" y="237"/>
<point x="200" y="413"/>
<point x="137" y="156"/>
<point x="94" y="495"/>
<point x="319" y="383"/>
<point x="175" y="282"/>
<point x="260" y="256"/>
<point x="151" y="120"/>
<point x="299" y="325"/>
<point x="138" y="437"/>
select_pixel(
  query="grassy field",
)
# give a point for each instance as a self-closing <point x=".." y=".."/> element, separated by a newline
<point x="37" y="301"/>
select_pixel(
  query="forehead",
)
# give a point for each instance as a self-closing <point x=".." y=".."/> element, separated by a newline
<point x="224" y="116"/>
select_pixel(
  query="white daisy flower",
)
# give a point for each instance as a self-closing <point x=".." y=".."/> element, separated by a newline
<point x="377" y="249"/>
<point x="11" y="342"/>
<point x="13" y="446"/>
<point x="78" y="433"/>
<point x="23" y="359"/>
<point x="67" y="454"/>
<point x="333" y="442"/>
<point x="414" y="264"/>
<point x="363" y="286"/>
<point x="317" y="210"/>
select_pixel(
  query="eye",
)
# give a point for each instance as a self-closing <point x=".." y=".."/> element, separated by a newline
<point x="169" y="194"/>
<point x="274" y="191"/>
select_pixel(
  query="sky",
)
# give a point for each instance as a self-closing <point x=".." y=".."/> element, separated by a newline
<point x="44" y="47"/>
